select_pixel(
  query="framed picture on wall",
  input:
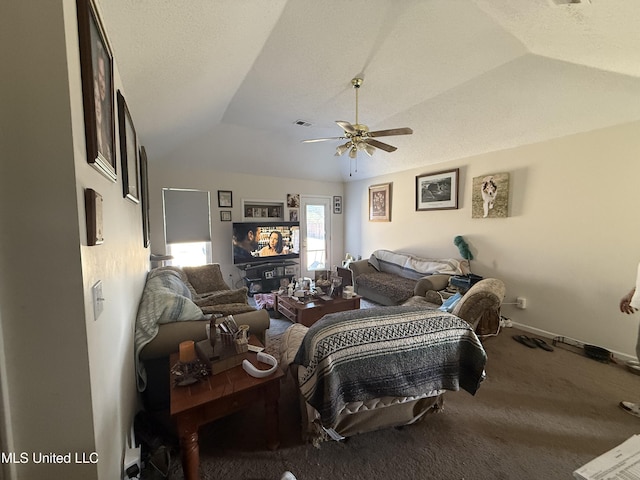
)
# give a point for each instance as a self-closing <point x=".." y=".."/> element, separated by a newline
<point x="225" y="215"/>
<point x="144" y="194"/>
<point x="337" y="204"/>
<point x="437" y="191"/>
<point x="380" y="203"/>
<point x="96" y="67"/>
<point x="225" y="198"/>
<point x="490" y="197"/>
<point x="128" y="152"/>
<point x="93" y="207"/>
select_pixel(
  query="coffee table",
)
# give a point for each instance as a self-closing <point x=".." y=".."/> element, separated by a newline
<point x="217" y="396"/>
<point x="307" y="313"/>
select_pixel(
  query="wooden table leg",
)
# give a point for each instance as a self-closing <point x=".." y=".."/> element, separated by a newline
<point x="189" y="448"/>
<point x="272" y="395"/>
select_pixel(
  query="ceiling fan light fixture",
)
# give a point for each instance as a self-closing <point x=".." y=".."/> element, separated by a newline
<point x="340" y="149"/>
<point x="369" y="149"/>
<point x="353" y="152"/>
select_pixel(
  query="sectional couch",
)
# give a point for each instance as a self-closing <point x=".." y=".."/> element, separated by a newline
<point x="391" y="278"/>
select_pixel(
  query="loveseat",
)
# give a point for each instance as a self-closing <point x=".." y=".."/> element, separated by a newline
<point x="391" y="278"/>
<point x="176" y="305"/>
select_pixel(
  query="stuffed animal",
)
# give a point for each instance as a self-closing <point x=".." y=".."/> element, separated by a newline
<point x="463" y="247"/>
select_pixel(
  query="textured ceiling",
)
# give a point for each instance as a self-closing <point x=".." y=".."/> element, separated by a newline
<point x="220" y="83"/>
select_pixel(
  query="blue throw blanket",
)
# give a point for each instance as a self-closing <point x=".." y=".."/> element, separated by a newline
<point x="386" y="351"/>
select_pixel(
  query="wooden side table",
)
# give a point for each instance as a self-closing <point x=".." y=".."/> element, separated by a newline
<point x="217" y="396"/>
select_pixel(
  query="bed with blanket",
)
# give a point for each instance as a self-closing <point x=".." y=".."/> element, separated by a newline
<point x="362" y="370"/>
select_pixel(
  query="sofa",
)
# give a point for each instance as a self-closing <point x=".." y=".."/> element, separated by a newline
<point x="391" y="278"/>
<point x="176" y="305"/>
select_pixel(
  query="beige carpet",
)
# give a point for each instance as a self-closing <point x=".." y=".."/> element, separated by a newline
<point x="538" y="415"/>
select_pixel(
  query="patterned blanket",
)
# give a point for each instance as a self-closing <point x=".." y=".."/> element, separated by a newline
<point x="409" y="266"/>
<point x="386" y="351"/>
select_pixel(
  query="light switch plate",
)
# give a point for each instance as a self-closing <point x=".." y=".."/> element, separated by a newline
<point x="98" y="299"/>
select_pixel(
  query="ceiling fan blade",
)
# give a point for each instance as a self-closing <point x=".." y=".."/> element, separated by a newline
<point x="381" y="146"/>
<point x="346" y="126"/>
<point x="391" y="131"/>
<point x="322" y="139"/>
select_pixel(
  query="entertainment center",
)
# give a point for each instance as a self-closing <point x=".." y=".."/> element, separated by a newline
<point x="265" y="277"/>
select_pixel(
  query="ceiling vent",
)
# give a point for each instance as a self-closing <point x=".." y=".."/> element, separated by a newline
<point x="561" y="3"/>
<point x="302" y="123"/>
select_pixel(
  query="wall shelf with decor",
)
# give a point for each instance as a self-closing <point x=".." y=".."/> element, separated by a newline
<point x="267" y="277"/>
<point x="262" y="210"/>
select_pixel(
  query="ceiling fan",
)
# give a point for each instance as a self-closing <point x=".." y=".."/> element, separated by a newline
<point x="358" y="135"/>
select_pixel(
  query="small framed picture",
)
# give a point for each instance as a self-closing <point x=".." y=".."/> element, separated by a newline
<point x="380" y="203"/>
<point x="225" y="198"/>
<point x="225" y="215"/>
<point x="268" y="274"/>
<point x="93" y="207"/>
<point x="437" y="191"/>
<point x="337" y="204"/>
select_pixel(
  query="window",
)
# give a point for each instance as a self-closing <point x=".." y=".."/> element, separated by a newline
<point x="187" y="226"/>
<point x="189" y="254"/>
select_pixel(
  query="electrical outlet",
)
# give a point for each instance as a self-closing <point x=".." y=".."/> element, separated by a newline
<point x="98" y="299"/>
<point x="132" y="467"/>
<point x="521" y="303"/>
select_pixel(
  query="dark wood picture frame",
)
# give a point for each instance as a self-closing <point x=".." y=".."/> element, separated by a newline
<point x="225" y="215"/>
<point x="96" y="67"/>
<point x="144" y="191"/>
<point x="128" y="152"/>
<point x="438" y="190"/>
<point x="93" y="208"/>
<point x="225" y="198"/>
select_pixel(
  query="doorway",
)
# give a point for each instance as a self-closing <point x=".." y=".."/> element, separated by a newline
<point x="315" y="227"/>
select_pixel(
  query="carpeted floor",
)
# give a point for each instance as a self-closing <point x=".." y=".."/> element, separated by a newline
<point x="538" y="415"/>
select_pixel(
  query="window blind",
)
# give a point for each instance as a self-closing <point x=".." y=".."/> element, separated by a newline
<point x="186" y="216"/>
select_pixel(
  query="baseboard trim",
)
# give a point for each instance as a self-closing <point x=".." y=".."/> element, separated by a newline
<point x="543" y="333"/>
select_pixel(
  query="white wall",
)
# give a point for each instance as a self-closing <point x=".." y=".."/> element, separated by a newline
<point x="67" y="378"/>
<point x="570" y="244"/>
<point x="248" y="187"/>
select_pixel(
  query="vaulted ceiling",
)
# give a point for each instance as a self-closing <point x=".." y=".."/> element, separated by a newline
<point x="221" y="83"/>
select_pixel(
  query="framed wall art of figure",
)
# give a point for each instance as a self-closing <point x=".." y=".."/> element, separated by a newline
<point x="380" y="203"/>
<point x="225" y="198"/>
<point x="128" y="152"/>
<point x="96" y="67"/>
<point x="437" y="191"/>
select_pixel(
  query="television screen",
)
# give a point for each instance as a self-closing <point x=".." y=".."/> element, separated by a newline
<point x="255" y="242"/>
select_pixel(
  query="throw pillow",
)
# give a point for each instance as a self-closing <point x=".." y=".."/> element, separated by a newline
<point x="206" y="278"/>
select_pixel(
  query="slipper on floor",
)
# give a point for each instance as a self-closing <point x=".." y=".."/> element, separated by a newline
<point x="542" y="344"/>
<point x="523" y="339"/>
